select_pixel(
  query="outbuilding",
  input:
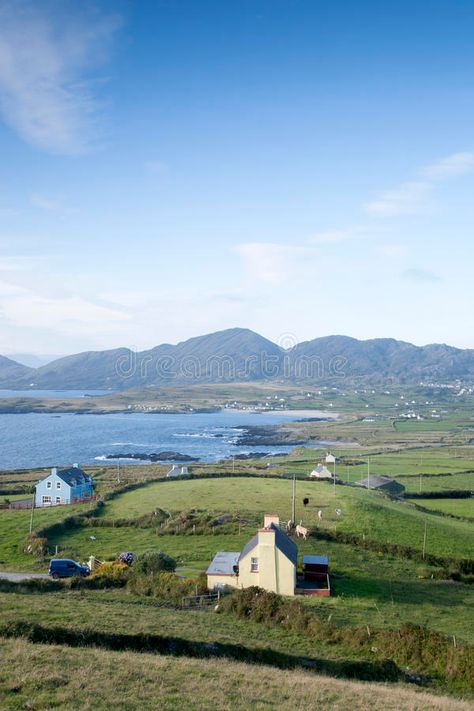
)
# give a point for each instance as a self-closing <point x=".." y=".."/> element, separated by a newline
<point x="382" y="483"/>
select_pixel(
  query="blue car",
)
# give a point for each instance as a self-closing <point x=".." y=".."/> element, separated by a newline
<point x="65" y="568"/>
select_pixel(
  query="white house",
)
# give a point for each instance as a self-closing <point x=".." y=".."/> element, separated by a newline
<point x="330" y="458"/>
<point x="321" y="472"/>
<point x="176" y="470"/>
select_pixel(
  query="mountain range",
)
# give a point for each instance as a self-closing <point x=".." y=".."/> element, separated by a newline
<point x="239" y="355"/>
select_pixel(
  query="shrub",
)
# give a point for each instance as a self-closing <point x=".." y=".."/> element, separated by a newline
<point x="166" y="587"/>
<point x="152" y="562"/>
<point x="35" y="545"/>
<point x="110" y="575"/>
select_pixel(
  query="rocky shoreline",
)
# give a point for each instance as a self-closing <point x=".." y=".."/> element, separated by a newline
<point x="268" y="436"/>
<point x="154" y="456"/>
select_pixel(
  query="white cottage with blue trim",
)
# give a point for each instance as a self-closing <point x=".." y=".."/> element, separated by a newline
<point x="64" y="486"/>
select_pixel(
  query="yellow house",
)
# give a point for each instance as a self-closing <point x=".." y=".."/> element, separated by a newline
<point x="268" y="560"/>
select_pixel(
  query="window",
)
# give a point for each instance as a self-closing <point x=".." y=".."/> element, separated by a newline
<point x="254" y="565"/>
<point x="58" y="499"/>
<point x="46" y="499"/>
<point x="58" y="485"/>
<point x="48" y="485"/>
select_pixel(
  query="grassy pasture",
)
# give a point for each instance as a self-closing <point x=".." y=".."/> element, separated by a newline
<point x="445" y="482"/>
<point x="409" y="462"/>
<point x="455" y="507"/>
<point x="363" y="512"/>
<point x="369" y="588"/>
<point x="47" y="676"/>
<point x="15" y="526"/>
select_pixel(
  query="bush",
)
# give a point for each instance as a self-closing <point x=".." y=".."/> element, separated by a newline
<point x="152" y="562"/>
<point x="110" y="575"/>
<point x="35" y="545"/>
<point x="163" y="586"/>
<point x="410" y="646"/>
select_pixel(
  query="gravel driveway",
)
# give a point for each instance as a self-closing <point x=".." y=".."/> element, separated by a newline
<point x="19" y="577"/>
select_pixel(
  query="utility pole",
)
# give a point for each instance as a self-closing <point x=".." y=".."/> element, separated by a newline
<point x="368" y="473"/>
<point x="424" y="541"/>
<point x="233" y="464"/>
<point x="32" y="512"/>
<point x="293" y="504"/>
<point x="420" y="483"/>
<point x="118" y="472"/>
<point x="334" y="475"/>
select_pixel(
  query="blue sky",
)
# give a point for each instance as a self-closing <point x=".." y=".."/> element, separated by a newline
<point x="170" y="168"/>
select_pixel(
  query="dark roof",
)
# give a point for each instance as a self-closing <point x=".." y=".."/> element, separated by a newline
<point x="286" y="545"/>
<point x="74" y="474"/>
<point x="315" y="560"/>
<point x="282" y="542"/>
<point x="377" y="482"/>
<point x="223" y="563"/>
<point x="250" y="546"/>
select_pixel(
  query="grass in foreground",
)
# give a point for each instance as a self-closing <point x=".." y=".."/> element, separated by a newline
<point x="45" y="677"/>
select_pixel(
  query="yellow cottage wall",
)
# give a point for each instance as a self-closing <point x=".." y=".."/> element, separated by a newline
<point x="275" y="572"/>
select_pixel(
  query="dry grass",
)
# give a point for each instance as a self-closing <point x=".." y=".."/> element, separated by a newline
<point x="45" y="677"/>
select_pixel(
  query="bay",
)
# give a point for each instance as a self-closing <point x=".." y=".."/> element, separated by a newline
<point x="46" y="440"/>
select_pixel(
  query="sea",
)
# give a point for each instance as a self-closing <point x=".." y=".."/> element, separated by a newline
<point x="47" y="440"/>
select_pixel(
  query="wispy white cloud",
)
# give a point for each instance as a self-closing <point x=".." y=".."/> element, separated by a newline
<point x="411" y="197"/>
<point x="406" y="199"/>
<point x="451" y="166"/>
<point x="30" y="303"/>
<point x="48" y="52"/>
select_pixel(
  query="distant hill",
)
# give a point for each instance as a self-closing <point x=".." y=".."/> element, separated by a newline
<point x="238" y="355"/>
<point x="386" y="360"/>
<point x="12" y="372"/>
<point x="32" y="360"/>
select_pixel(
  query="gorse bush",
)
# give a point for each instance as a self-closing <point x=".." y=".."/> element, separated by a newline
<point x="110" y="575"/>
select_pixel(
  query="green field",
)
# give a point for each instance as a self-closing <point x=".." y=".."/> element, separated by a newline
<point x="365" y="513"/>
<point x="15" y="526"/>
<point x="454" y="507"/>
<point x="374" y="585"/>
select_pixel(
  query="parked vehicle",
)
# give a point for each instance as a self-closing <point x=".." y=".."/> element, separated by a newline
<point x="65" y="568"/>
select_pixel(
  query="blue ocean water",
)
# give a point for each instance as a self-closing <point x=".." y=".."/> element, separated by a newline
<point x="44" y="440"/>
<point x="52" y="393"/>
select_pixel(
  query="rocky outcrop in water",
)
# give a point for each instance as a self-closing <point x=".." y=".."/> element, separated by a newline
<point x="271" y="436"/>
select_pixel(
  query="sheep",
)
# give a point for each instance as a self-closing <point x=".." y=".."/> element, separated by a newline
<point x="301" y="530"/>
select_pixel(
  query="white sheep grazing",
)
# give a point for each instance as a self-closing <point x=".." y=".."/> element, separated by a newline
<point x="301" y="530"/>
<point x="320" y="515"/>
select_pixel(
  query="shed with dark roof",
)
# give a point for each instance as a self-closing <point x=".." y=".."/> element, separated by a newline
<point x="382" y="483"/>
